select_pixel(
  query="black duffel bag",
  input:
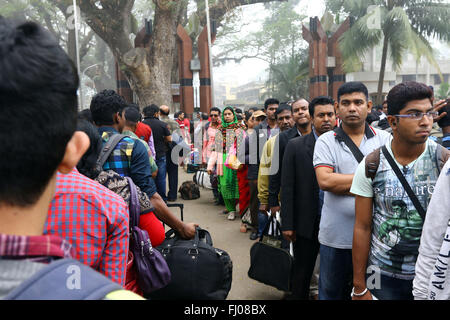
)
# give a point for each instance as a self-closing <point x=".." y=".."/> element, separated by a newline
<point x="199" y="271"/>
<point x="270" y="260"/>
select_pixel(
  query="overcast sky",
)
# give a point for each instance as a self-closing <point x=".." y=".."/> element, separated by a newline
<point x="253" y="69"/>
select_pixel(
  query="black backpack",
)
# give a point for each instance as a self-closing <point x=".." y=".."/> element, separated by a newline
<point x="189" y="190"/>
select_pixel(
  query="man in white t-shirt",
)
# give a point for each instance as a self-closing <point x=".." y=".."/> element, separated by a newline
<point x="388" y="225"/>
<point x="335" y="165"/>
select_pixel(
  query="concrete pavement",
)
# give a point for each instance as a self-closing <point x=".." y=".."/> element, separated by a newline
<point x="226" y="236"/>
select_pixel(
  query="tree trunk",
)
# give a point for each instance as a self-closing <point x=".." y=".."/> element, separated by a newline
<point x="382" y="70"/>
<point x="148" y="72"/>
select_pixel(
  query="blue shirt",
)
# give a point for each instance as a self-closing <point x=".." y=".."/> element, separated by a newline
<point x="129" y="159"/>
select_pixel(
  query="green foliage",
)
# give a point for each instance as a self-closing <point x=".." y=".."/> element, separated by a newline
<point x="279" y="43"/>
<point x="405" y="24"/>
<point x="444" y="91"/>
<point x="288" y="80"/>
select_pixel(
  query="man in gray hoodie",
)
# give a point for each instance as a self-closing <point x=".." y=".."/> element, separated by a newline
<point x="432" y="279"/>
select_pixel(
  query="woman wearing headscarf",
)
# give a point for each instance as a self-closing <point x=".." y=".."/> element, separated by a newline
<point x="230" y="134"/>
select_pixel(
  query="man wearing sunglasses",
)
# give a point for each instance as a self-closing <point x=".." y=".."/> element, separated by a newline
<point x="389" y="221"/>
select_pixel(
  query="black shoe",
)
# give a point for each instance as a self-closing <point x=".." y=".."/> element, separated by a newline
<point x="254" y="236"/>
<point x="172" y="200"/>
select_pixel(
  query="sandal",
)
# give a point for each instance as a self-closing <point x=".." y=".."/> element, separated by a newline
<point x="231" y="215"/>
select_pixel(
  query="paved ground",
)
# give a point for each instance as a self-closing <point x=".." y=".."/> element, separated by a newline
<point x="226" y="236"/>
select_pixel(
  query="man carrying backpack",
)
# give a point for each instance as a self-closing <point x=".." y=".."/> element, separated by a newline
<point x="44" y="99"/>
<point x="129" y="158"/>
<point x="393" y="186"/>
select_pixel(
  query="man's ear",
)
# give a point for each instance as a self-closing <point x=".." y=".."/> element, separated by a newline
<point x="336" y="108"/>
<point x="369" y="106"/>
<point x="116" y="117"/>
<point x="392" y="121"/>
<point x="75" y="149"/>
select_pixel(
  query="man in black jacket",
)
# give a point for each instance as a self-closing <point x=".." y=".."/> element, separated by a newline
<point x="302" y="118"/>
<point x="301" y="198"/>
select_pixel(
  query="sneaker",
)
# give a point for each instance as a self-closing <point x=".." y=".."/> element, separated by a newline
<point x="231" y="215"/>
<point x="254" y="236"/>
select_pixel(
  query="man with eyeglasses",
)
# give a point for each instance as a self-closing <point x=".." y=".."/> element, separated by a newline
<point x="388" y="223"/>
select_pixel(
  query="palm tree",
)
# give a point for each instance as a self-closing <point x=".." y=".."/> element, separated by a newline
<point x="404" y="25"/>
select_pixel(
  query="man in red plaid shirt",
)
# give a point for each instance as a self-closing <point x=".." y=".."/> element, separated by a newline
<point x="95" y="220"/>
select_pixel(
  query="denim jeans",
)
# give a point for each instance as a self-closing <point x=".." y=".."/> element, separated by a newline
<point x="263" y="219"/>
<point x="160" y="180"/>
<point x="393" y="289"/>
<point x="172" y="175"/>
<point x="336" y="273"/>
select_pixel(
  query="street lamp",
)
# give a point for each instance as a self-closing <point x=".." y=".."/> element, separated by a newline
<point x="77" y="48"/>
<point x="210" y="54"/>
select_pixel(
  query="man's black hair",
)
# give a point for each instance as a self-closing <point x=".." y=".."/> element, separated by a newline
<point x="253" y="108"/>
<point x="238" y="110"/>
<point x="86" y="165"/>
<point x="38" y="102"/>
<point x="204" y="116"/>
<point x="104" y="105"/>
<point x="320" y="100"/>
<point x="399" y="96"/>
<point x="269" y="102"/>
<point x="86" y="115"/>
<point x="282" y="107"/>
<point x="132" y="115"/>
<point x="248" y="115"/>
<point x="351" y="87"/>
<point x="215" y="109"/>
<point x="150" y="111"/>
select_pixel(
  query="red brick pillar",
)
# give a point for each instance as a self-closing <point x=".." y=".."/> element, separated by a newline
<point x="185" y="57"/>
<point x="337" y="75"/>
<point x="318" y="54"/>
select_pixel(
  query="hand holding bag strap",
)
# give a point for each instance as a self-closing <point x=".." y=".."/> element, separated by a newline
<point x="135" y="207"/>
<point x="405" y="183"/>
<point x="342" y="136"/>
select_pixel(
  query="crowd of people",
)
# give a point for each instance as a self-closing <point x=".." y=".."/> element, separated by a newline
<point x="364" y="188"/>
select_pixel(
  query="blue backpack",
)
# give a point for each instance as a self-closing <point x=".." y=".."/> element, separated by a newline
<point x="64" y="279"/>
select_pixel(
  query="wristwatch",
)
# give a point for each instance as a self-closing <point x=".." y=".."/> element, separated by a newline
<point x="353" y="294"/>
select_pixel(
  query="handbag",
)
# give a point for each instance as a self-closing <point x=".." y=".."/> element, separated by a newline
<point x="151" y="269"/>
<point x="270" y="263"/>
<point x="199" y="271"/>
<point x="232" y="160"/>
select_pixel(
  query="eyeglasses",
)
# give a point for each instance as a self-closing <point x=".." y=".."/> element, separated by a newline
<point x="214" y="115"/>
<point x="418" y="115"/>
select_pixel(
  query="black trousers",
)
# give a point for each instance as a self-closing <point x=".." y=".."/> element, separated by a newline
<point x="305" y="255"/>
<point x="254" y="203"/>
<point x="172" y="175"/>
